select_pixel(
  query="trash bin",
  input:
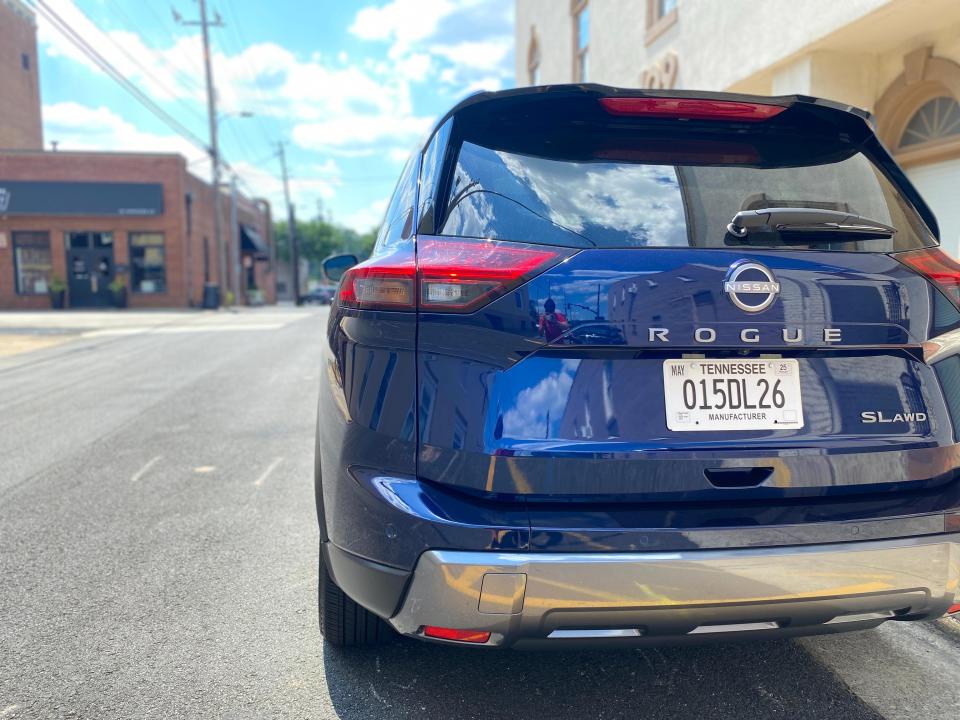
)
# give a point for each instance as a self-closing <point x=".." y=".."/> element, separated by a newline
<point x="211" y="296"/>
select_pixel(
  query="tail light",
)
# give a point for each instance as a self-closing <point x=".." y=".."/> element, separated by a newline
<point x="690" y="108"/>
<point x="938" y="267"/>
<point x="385" y="282"/>
<point x="448" y="275"/>
<point x="470" y="636"/>
<point x="459" y="275"/>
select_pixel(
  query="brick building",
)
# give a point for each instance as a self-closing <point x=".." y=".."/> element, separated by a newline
<point x="92" y="220"/>
<point x="88" y="218"/>
<point x="20" y="125"/>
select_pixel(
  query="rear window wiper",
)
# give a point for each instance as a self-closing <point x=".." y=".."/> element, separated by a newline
<point x="807" y="220"/>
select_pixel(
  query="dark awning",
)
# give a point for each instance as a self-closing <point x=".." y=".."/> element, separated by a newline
<point x="251" y="242"/>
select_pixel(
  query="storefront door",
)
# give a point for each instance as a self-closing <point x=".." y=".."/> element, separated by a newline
<point x="89" y="268"/>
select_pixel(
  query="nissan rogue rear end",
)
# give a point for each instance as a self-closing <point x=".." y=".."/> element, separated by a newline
<point x="641" y="367"/>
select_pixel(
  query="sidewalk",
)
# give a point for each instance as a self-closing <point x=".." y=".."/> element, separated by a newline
<point x="27" y="331"/>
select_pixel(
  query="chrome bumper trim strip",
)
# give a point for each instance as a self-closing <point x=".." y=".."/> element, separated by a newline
<point x="678" y="594"/>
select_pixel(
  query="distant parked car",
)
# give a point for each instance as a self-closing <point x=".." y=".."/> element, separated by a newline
<point x="755" y="437"/>
<point x="321" y="295"/>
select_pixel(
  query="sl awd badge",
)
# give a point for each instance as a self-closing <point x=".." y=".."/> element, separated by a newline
<point x="750" y="286"/>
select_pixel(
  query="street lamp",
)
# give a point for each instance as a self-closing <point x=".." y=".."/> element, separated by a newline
<point x="234" y="114"/>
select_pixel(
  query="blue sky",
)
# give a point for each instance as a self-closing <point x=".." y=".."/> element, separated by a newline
<point x="351" y="85"/>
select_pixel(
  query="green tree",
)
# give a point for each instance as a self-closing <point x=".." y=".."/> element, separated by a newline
<point x="319" y="239"/>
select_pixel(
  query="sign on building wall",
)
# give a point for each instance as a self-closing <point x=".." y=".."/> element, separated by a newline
<point x="661" y="75"/>
<point x="28" y="197"/>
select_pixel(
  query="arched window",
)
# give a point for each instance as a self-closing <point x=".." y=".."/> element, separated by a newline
<point x="935" y="121"/>
<point x="918" y="116"/>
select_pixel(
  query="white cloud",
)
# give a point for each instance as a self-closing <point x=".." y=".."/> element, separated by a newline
<point x="404" y="22"/>
<point x="357" y="130"/>
<point x="367" y="218"/>
<point x="539" y="405"/>
<point x="355" y="106"/>
<point x="79" y="127"/>
<point x="309" y="189"/>
<point x="482" y="54"/>
<point x="487" y="83"/>
<point x="168" y="74"/>
<point x="453" y="39"/>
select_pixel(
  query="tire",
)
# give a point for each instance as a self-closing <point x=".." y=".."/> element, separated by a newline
<point x="343" y="623"/>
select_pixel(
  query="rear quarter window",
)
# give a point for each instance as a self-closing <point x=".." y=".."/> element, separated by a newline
<point x="397" y="227"/>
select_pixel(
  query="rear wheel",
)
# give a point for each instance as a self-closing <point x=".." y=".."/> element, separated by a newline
<point x="343" y="623"/>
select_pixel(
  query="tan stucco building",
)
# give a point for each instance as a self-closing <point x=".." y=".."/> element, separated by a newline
<point x="899" y="59"/>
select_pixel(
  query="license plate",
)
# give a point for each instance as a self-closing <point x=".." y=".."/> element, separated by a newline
<point x="722" y="395"/>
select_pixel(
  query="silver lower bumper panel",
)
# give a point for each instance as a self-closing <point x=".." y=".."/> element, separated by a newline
<point x="662" y="597"/>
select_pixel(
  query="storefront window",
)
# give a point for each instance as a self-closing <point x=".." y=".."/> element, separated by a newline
<point x="83" y="240"/>
<point x="32" y="263"/>
<point x="148" y="273"/>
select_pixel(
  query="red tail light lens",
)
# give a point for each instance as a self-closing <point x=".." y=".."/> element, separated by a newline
<point x="455" y="275"/>
<point x="937" y="266"/>
<point x="690" y="108"/>
<point x="470" y="636"/>
<point x="953" y="610"/>
<point x="458" y="275"/>
<point x="387" y="282"/>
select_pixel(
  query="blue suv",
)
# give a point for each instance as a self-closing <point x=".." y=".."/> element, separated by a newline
<point x="632" y="367"/>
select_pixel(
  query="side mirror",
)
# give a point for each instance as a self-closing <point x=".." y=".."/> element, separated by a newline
<point x="335" y="266"/>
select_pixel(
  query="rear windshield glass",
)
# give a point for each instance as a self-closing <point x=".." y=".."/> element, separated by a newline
<point x="626" y="202"/>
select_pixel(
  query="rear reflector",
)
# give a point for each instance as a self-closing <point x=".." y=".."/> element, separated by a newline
<point x="469" y="636"/>
<point x="936" y="266"/>
<point x="953" y="609"/>
<point x="455" y="275"/>
<point x="690" y="108"/>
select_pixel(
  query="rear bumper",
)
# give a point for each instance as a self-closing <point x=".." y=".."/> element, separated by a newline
<point x="526" y="599"/>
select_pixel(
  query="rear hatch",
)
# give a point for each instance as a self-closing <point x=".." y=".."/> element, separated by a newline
<point x="595" y="326"/>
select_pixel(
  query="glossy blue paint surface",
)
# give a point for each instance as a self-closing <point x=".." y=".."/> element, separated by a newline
<point x="583" y="415"/>
<point x="563" y="446"/>
<point x="480" y="431"/>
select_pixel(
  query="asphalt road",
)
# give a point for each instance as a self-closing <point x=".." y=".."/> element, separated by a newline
<point x="158" y="560"/>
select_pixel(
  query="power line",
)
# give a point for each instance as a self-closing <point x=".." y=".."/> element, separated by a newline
<point x="187" y="78"/>
<point x="162" y="23"/>
<point x="249" y="70"/>
<point x="149" y="73"/>
<point x="111" y="71"/>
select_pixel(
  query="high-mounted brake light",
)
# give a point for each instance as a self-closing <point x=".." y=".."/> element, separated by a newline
<point x="690" y="108"/>
<point x="470" y="636"/>
<point x="936" y="266"/>
<point x="448" y="275"/>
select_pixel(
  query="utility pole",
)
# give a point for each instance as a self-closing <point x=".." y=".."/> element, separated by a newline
<point x="235" y="239"/>
<point x="291" y="228"/>
<point x="205" y="26"/>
